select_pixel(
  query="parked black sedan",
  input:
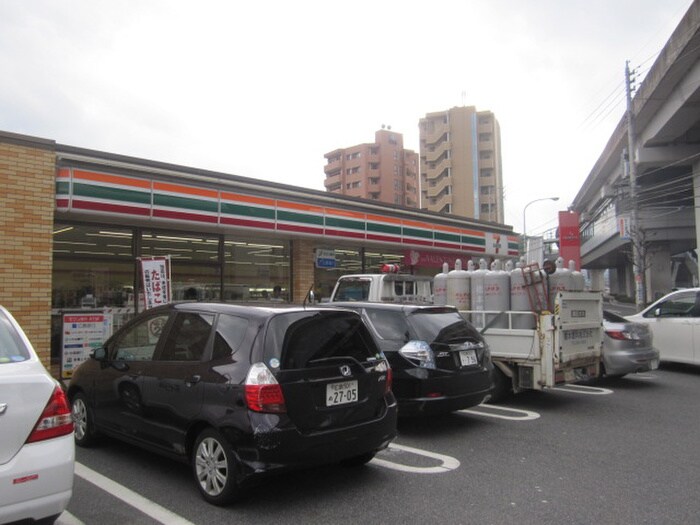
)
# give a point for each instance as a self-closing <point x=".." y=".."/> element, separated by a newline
<point x="440" y="362"/>
<point x="239" y="391"/>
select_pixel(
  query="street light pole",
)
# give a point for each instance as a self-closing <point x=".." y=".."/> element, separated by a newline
<point x="524" y="217"/>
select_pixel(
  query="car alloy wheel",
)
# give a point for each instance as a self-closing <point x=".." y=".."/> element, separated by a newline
<point x="213" y="468"/>
<point x="84" y="432"/>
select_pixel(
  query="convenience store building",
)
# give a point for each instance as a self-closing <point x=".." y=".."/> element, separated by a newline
<point x="75" y="222"/>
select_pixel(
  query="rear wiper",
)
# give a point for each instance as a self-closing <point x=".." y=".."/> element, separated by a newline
<point x="340" y="358"/>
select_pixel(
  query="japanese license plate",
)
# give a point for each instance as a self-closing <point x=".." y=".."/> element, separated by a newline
<point x="341" y="393"/>
<point x="468" y="357"/>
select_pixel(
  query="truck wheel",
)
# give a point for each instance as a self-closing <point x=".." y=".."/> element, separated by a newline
<point x="502" y="386"/>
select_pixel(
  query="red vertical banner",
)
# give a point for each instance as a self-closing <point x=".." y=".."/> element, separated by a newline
<point x="569" y="238"/>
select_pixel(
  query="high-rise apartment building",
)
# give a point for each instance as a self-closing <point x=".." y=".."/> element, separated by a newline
<point x="460" y="164"/>
<point x="383" y="171"/>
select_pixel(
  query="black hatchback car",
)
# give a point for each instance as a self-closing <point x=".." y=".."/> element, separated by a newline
<point x="440" y="362"/>
<point x="239" y="391"/>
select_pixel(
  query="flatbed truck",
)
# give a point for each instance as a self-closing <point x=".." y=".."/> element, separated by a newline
<point x="563" y="347"/>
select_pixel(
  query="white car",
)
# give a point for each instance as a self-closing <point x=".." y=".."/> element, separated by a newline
<point x="675" y="323"/>
<point x="37" y="449"/>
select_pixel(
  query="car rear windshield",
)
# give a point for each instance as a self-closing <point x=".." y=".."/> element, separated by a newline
<point x="302" y="339"/>
<point x="352" y="290"/>
<point x="430" y="325"/>
<point x="613" y="318"/>
<point x="443" y="326"/>
<point x="12" y="349"/>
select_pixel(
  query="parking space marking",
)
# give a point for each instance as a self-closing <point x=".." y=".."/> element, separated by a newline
<point x="490" y="411"/>
<point x="128" y="496"/>
<point x="448" y="463"/>
<point x="66" y="518"/>
<point x="642" y="375"/>
<point x="582" y="389"/>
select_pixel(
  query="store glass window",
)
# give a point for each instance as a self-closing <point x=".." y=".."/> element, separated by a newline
<point x="375" y="259"/>
<point x="93" y="269"/>
<point x="194" y="262"/>
<point x="181" y="246"/>
<point x="256" y="270"/>
<point x="347" y="261"/>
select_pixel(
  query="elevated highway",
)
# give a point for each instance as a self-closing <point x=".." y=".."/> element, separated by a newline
<point x="666" y="116"/>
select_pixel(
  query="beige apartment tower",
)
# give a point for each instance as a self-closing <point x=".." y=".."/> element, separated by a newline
<point x="382" y="171"/>
<point x="460" y="164"/>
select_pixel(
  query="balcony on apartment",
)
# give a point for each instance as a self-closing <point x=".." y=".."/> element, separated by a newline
<point x="437" y="186"/>
<point x="441" y="202"/>
<point x="433" y="152"/>
<point x="433" y="138"/>
<point x="437" y="169"/>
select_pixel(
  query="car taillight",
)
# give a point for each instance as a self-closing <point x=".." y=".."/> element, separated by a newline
<point x="262" y="391"/>
<point x="620" y="335"/>
<point x="384" y="367"/>
<point x="420" y="353"/>
<point x="56" y="419"/>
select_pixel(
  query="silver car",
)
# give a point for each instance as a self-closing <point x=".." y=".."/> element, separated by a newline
<point x="37" y="452"/>
<point x="627" y="347"/>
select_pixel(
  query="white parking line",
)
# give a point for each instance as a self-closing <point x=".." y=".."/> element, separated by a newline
<point x="155" y="511"/>
<point x="582" y="389"/>
<point x="486" y="411"/>
<point x="642" y="375"/>
<point x="66" y="518"/>
<point x="448" y="463"/>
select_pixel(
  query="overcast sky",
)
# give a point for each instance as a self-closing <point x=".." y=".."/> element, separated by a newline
<point x="264" y="89"/>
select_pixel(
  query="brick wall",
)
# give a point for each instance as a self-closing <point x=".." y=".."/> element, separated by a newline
<point x="302" y="268"/>
<point x="27" y="175"/>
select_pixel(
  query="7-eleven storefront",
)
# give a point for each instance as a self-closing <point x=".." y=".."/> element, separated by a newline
<point x="226" y="237"/>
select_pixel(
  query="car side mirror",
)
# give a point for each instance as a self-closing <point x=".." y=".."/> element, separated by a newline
<point x="99" y="354"/>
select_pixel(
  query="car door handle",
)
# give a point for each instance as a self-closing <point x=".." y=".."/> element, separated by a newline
<point x="193" y="380"/>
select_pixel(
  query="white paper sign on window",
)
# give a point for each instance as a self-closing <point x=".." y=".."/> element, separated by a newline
<point x="155" y="278"/>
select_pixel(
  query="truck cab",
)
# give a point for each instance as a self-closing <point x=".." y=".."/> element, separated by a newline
<point x="383" y="287"/>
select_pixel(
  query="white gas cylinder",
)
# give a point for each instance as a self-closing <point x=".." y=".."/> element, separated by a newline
<point x="497" y="294"/>
<point x="440" y="286"/>
<point x="458" y="287"/>
<point x="578" y="282"/>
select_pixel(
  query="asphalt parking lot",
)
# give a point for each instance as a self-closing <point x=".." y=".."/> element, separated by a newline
<point x="610" y="451"/>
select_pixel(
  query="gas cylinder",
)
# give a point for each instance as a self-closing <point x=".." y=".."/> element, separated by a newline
<point x="578" y="282"/>
<point x="497" y="295"/>
<point x="458" y="287"/>
<point x="520" y="300"/>
<point x="477" y="289"/>
<point x="560" y="280"/>
<point x="440" y="286"/>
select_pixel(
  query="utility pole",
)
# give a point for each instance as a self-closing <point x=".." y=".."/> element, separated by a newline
<point x="639" y="287"/>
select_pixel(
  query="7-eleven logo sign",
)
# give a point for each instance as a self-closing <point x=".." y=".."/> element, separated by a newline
<point x="496" y="243"/>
